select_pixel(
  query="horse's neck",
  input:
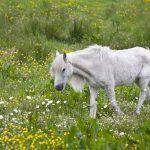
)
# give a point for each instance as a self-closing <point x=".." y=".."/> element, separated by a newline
<point x="80" y="60"/>
<point x="81" y="65"/>
<point x="85" y="57"/>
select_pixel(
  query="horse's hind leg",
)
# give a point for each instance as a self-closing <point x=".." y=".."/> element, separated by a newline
<point x="148" y="93"/>
<point x="143" y="84"/>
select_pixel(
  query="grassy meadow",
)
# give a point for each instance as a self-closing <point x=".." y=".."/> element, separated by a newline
<point x="33" y="115"/>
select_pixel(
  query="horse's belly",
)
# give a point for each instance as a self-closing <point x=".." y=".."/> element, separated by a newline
<point x="126" y="78"/>
<point x="125" y="82"/>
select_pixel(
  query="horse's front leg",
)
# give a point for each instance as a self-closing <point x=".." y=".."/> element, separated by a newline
<point x="143" y="83"/>
<point x="93" y="102"/>
<point x="111" y="94"/>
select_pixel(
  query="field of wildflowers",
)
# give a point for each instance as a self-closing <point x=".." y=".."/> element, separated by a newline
<point x="33" y="115"/>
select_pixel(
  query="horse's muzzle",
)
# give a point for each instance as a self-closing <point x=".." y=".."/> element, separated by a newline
<point x="59" y="87"/>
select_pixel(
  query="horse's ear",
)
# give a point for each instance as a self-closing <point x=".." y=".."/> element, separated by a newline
<point x="57" y="53"/>
<point x="65" y="57"/>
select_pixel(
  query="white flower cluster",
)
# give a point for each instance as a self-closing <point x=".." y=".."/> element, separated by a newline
<point x="1" y="117"/>
<point x="2" y="102"/>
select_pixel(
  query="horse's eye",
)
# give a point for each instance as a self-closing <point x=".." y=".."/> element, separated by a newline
<point x="63" y="69"/>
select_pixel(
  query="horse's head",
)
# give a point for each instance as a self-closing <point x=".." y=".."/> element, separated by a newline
<point x="61" y="70"/>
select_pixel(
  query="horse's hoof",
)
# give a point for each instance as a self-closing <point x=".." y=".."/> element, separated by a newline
<point x="120" y="113"/>
<point x="92" y="116"/>
<point x="136" y="113"/>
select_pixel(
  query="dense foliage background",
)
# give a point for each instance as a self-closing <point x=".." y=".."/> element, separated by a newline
<point x="33" y="115"/>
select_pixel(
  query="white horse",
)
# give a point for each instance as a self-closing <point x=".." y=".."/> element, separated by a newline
<point x="101" y="67"/>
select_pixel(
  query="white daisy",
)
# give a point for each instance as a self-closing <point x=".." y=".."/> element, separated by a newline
<point x="1" y="117"/>
<point x="28" y="97"/>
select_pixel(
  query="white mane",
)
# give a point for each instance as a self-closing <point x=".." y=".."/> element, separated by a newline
<point x="92" y="49"/>
<point x="77" y="83"/>
<point x="100" y="47"/>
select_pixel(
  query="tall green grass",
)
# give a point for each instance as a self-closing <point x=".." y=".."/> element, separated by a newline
<point x="29" y="25"/>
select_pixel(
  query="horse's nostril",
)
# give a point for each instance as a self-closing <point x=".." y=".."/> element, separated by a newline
<point x="59" y="87"/>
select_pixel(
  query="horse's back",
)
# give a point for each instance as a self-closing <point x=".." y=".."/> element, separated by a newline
<point x="135" y="50"/>
<point x="139" y="53"/>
